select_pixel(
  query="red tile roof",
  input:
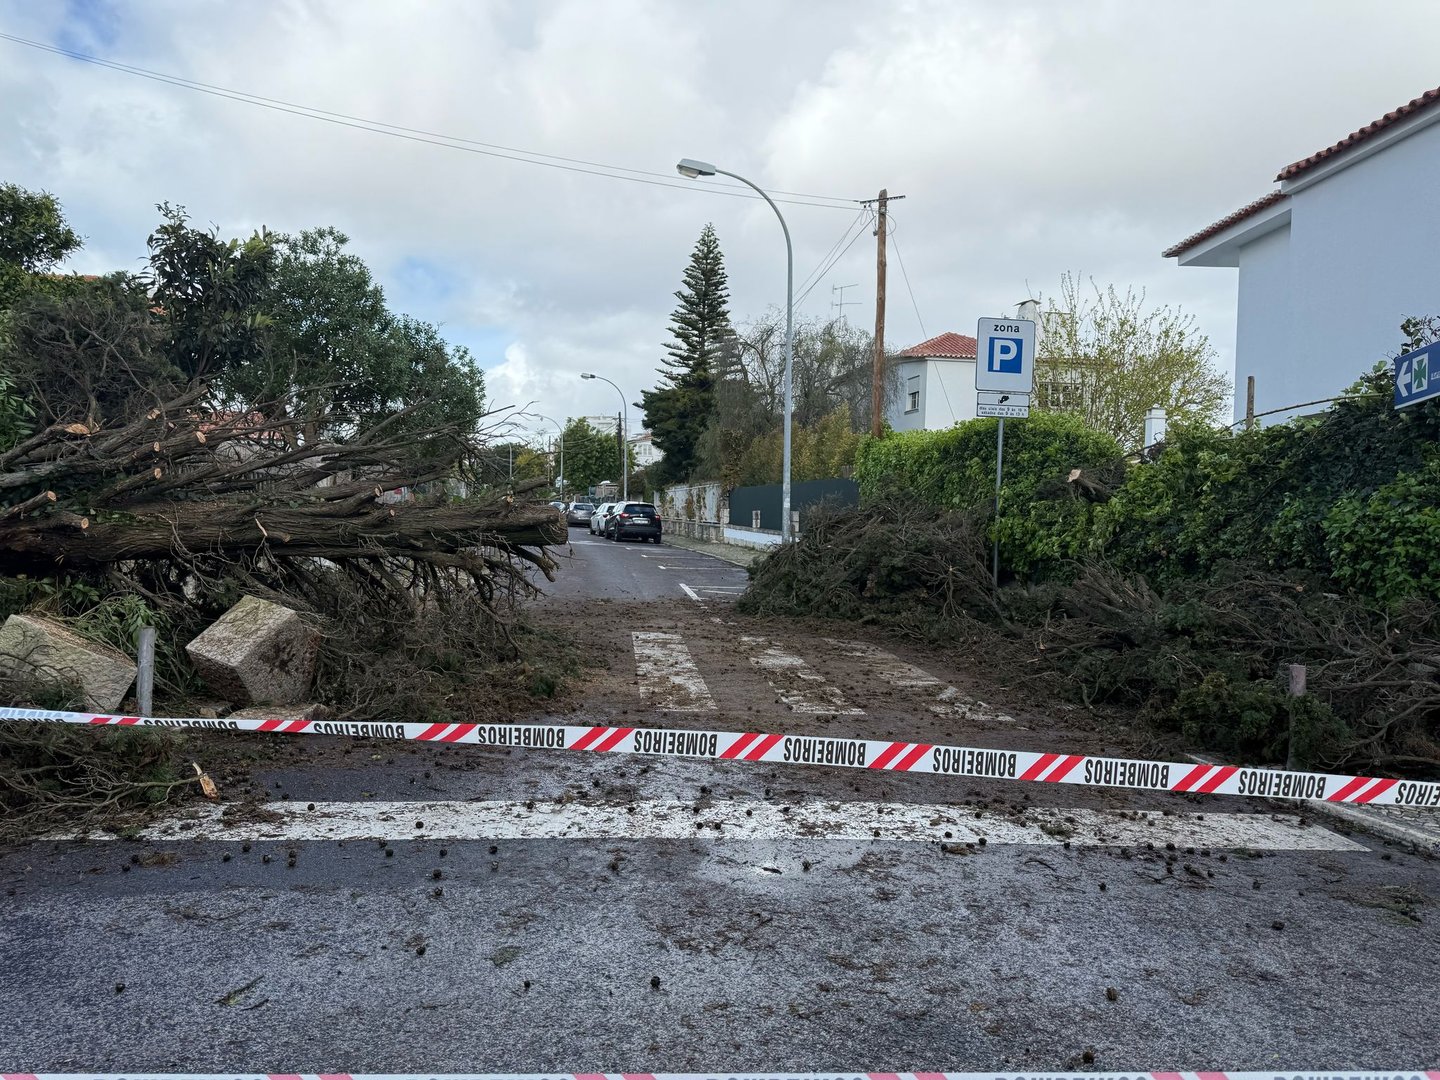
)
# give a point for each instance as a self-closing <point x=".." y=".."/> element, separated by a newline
<point x="1410" y="108"/>
<point x="948" y="346"/>
<point x="1224" y="223"/>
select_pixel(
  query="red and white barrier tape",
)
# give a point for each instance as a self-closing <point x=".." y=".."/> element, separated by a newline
<point x="1274" y="1074"/>
<point x="1084" y="769"/>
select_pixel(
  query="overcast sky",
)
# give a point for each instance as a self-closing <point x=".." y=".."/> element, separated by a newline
<point x="1028" y="138"/>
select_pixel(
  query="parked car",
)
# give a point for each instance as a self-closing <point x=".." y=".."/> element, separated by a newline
<point x="633" y="519"/>
<point x="579" y="513"/>
<point x="597" y="519"/>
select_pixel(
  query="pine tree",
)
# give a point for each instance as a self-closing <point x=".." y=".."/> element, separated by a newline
<point x="677" y="412"/>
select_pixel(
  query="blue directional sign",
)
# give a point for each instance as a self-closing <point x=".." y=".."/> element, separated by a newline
<point x="1416" y="377"/>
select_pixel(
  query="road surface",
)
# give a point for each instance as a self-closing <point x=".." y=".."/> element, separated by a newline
<point x="467" y="909"/>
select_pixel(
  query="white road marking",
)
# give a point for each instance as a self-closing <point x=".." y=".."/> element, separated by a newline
<point x="691" y="593"/>
<point x="798" y="686"/>
<point x="945" y="699"/>
<point x="696" y="566"/>
<point x="667" y="673"/>
<point x="737" y="820"/>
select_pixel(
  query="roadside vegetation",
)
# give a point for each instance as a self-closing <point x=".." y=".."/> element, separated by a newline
<point x="1179" y="584"/>
<point x="248" y="416"/>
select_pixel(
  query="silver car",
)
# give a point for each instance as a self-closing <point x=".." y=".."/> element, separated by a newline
<point x="579" y="513"/>
<point x="597" y="519"/>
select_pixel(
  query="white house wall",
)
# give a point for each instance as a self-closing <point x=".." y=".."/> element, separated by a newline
<point x="950" y="394"/>
<point x="1264" y="328"/>
<point x="900" y="420"/>
<point x="1318" y="309"/>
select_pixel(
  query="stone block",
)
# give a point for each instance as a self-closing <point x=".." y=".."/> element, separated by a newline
<point x="257" y="653"/>
<point x="35" y="650"/>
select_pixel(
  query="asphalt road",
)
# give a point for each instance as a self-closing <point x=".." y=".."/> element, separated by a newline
<point x="482" y="910"/>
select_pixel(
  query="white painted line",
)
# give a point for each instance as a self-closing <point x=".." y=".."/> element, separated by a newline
<point x="697" y="566"/>
<point x="798" y="686"/>
<point x="691" y="593"/>
<point x="945" y="700"/>
<point x="748" y="820"/>
<point x="667" y="673"/>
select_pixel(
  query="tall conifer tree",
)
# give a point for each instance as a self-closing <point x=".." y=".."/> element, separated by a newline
<point x="679" y="409"/>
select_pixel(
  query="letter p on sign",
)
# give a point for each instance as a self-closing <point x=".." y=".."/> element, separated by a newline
<point x="1006" y="354"/>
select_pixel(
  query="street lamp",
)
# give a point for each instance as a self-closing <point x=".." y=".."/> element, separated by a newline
<point x="624" y="452"/>
<point x="688" y="167"/>
<point x="562" y="447"/>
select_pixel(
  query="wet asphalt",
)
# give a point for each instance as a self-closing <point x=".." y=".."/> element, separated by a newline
<point x="621" y="955"/>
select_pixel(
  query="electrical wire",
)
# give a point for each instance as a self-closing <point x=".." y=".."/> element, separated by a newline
<point x="419" y="135"/>
<point x="859" y="217"/>
<point x="801" y="298"/>
<point x="901" y="260"/>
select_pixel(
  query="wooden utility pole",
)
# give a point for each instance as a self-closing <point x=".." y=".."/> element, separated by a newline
<point x="877" y="388"/>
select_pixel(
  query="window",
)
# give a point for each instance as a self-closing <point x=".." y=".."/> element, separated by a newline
<point x="912" y="397"/>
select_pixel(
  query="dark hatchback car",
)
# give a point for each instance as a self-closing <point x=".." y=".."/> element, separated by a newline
<point x="634" y="519"/>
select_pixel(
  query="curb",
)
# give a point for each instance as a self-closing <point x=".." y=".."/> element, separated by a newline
<point x="686" y="543"/>
<point x="1371" y="821"/>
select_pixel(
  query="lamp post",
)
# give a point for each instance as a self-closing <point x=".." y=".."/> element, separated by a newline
<point x="690" y="168"/>
<point x="562" y="447"/>
<point x="624" y="449"/>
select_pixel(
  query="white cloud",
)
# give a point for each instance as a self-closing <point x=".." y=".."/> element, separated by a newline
<point x="1029" y="139"/>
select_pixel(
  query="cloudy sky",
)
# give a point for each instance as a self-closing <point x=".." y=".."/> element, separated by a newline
<point x="1029" y="138"/>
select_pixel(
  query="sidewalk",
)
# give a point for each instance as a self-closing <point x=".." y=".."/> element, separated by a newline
<point x="731" y="553"/>
<point x="1398" y="824"/>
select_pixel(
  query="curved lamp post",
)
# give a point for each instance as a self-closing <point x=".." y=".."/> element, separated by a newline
<point x="562" y="446"/>
<point x="690" y="168"/>
<point x="624" y="443"/>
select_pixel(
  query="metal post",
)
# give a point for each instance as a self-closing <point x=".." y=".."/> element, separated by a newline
<point x="1296" y="690"/>
<point x="999" y="465"/>
<point x="145" y="671"/>
<point x="789" y="354"/>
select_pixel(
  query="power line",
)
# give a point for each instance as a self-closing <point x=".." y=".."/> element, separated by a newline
<point x="419" y="135"/>
<point x="901" y="260"/>
<point x="801" y="298"/>
<point x="859" y="216"/>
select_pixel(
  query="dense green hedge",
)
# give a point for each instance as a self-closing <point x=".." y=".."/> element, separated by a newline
<point x="1348" y="498"/>
<point x="955" y="469"/>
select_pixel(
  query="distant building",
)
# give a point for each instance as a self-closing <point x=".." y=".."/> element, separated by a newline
<point x="1332" y="260"/>
<point x="643" y="450"/>
<point x="934" y="385"/>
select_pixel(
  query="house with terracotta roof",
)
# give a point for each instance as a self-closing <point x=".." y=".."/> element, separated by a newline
<point x="934" y="385"/>
<point x="1332" y="260"/>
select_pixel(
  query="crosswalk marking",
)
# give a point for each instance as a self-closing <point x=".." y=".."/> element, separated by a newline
<point x="737" y="820"/>
<point x="667" y="673"/>
<point x="798" y="686"/>
<point x="945" y="700"/>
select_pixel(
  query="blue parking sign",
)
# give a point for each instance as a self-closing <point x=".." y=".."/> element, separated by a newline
<point x="1007" y="354"/>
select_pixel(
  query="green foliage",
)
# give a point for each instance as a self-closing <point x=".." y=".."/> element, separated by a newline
<point x="818" y="451"/>
<point x="677" y="412"/>
<point x="340" y="358"/>
<point x="208" y="293"/>
<point x="16" y="412"/>
<point x="591" y="456"/>
<point x="1108" y="358"/>
<point x="1347" y="497"/>
<point x="954" y="469"/>
<point x="34" y="238"/>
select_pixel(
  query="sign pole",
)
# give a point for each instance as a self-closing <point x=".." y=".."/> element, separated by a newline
<point x="999" y="465"/>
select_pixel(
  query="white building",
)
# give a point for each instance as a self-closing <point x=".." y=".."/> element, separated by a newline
<point x="1332" y="261"/>
<point x="643" y="450"/>
<point x="935" y="384"/>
